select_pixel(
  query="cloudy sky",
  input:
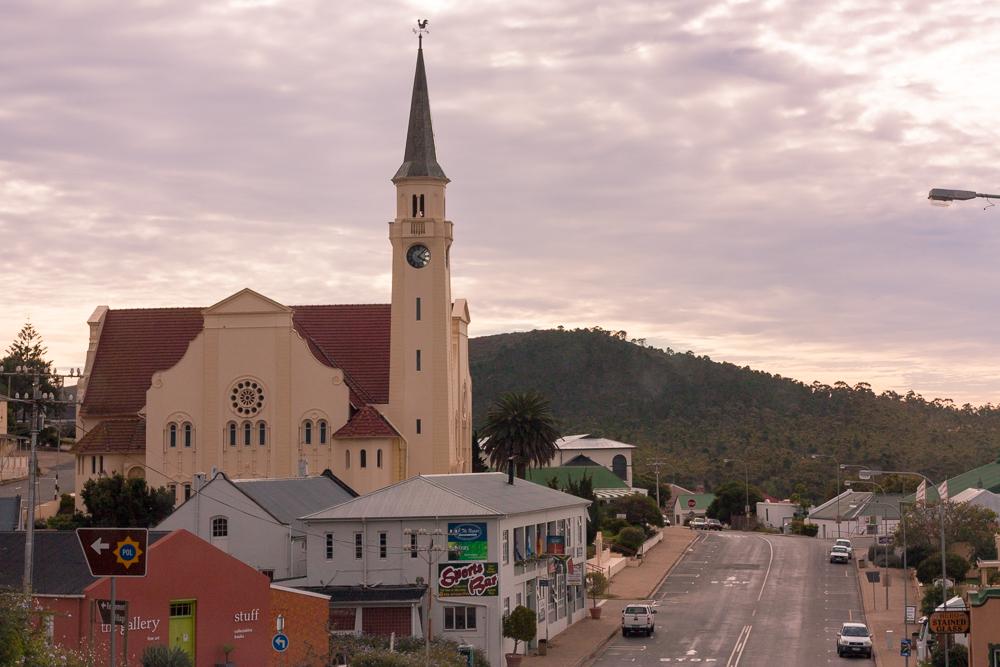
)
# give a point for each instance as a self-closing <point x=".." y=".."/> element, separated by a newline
<point x="744" y="179"/>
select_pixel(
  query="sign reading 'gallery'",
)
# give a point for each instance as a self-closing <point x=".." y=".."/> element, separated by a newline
<point x="467" y="541"/>
<point x="468" y="580"/>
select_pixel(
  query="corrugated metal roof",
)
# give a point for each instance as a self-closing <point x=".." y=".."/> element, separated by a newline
<point x="701" y="501"/>
<point x="587" y="442"/>
<point x="849" y="506"/>
<point x="288" y="499"/>
<point x="600" y="477"/>
<point x="460" y="495"/>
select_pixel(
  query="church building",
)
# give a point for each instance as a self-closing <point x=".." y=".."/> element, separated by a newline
<point x="258" y="389"/>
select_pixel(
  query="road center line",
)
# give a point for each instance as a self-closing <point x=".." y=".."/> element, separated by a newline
<point x="768" y="571"/>
<point x="741" y="643"/>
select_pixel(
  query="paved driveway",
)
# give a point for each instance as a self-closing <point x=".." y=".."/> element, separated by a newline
<point x="747" y="600"/>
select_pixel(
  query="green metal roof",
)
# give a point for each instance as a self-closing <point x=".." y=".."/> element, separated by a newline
<point x="979" y="598"/>
<point x="701" y="501"/>
<point x="984" y="477"/>
<point x="601" y="476"/>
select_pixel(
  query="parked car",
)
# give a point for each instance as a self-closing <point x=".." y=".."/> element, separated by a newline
<point x="698" y="523"/>
<point x="840" y="554"/>
<point x="854" y="639"/>
<point x="844" y="542"/>
<point x="638" y="618"/>
<point x="713" y="524"/>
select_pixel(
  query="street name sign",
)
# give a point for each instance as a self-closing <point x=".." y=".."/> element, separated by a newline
<point x="121" y="611"/>
<point x="114" y="552"/>
<point x="949" y="622"/>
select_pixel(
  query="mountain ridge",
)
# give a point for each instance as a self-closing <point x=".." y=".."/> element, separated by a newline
<point x="693" y="411"/>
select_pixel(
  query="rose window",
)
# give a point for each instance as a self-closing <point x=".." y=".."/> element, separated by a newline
<point x="246" y="397"/>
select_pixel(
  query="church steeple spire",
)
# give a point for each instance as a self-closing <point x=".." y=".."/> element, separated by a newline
<point x="419" y="158"/>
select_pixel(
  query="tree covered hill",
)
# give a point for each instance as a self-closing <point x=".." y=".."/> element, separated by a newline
<point x="692" y="412"/>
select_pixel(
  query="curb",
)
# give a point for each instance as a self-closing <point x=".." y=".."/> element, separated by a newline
<point x="876" y="655"/>
<point x="614" y="633"/>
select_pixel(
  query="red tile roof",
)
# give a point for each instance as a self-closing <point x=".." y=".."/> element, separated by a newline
<point x="136" y="343"/>
<point x="356" y="338"/>
<point x="367" y="423"/>
<point x="118" y="436"/>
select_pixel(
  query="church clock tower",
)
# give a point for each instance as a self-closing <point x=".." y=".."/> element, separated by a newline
<point x="429" y="386"/>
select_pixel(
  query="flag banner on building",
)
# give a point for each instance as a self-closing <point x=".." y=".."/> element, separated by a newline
<point x="555" y="544"/>
<point x="922" y="493"/>
<point x="943" y="491"/>
<point x="468" y="580"/>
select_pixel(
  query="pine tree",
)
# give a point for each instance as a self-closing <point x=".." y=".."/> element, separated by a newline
<point x="28" y="350"/>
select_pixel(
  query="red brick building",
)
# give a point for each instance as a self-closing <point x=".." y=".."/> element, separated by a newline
<point x="194" y="596"/>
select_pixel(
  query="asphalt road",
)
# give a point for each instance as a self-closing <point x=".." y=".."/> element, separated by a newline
<point x="748" y="600"/>
<point x="52" y="464"/>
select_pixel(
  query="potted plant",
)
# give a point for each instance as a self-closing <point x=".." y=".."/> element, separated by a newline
<point x="597" y="583"/>
<point x="521" y="626"/>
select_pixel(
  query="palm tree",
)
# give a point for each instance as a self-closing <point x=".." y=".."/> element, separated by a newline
<point x="520" y="425"/>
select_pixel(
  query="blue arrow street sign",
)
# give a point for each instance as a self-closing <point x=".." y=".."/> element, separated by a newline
<point x="904" y="648"/>
<point x="279" y="642"/>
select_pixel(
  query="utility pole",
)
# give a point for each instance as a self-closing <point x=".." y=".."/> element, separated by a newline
<point x="430" y="553"/>
<point x="36" y="398"/>
<point x="655" y="465"/>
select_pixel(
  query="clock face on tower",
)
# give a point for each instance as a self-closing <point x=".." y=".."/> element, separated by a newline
<point x="418" y="256"/>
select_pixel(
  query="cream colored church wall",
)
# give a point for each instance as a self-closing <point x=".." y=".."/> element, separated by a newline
<point x="266" y="350"/>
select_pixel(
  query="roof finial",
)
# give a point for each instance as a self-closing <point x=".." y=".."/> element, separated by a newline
<point x="420" y="31"/>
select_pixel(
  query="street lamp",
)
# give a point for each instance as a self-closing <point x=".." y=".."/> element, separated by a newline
<point x="868" y="474"/>
<point x="944" y="196"/>
<point x="885" y="546"/>
<point x="839" y="490"/>
<point x="746" y="470"/>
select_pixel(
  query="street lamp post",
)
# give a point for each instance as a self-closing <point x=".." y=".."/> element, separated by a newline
<point x="839" y="490"/>
<point x="885" y="546"/>
<point x="944" y="196"/>
<point x="867" y="474"/>
<point x="746" y="479"/>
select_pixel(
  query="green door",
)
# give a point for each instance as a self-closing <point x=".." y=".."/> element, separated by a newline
<point x="182" y="625"/>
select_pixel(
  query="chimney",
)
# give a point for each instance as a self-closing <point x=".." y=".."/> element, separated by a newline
<point x="510" y="471"/>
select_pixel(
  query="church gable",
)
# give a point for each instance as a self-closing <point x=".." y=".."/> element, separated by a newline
<point x="245" y="302"/>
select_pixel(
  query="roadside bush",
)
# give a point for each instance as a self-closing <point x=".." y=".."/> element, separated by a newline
<point x="958" y="656"/>
<point x="162" y="656"/>
<point x="614" y="525"/>
<point x="372" y="651"/>
<point x="930" y="568"/>
<point x="932" y="598"/>
<point x="799" y="527"/>
<point x="639" y="510"/>
<point x="916" y="553"/>
<point x="631" y="539"/>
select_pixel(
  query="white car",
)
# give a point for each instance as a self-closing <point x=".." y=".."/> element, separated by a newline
<point x="638" y="618"/>
<point x="844" y="542"/>
<point x="854" y="639"/>
<point x="840" y="554"/>
<point x="698" y="523"/>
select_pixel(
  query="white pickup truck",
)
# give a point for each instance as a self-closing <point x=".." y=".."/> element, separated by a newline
<point x="638" y="617"/>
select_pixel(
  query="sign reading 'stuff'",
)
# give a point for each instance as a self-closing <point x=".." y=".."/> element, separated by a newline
<point x="468" y="580"/>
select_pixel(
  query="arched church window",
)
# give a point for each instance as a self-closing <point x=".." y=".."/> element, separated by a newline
<point x="247" y="433"/>
<point x="261" y="433"/>
<point x="363" y="459"/>
<point x="232" y="433"/>
<point x="172" y="434"/>
<point x="378" y="458"/>
<point x="188" y="434"/>
<point x="619" y="466"/>
<point x="307" y="432"/>
<point x="347" y="458"/>
<point x="322" y="431"/>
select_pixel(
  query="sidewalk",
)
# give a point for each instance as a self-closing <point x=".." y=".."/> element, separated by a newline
<point x="585" y="638"/>
<point x="879" y="620"/>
